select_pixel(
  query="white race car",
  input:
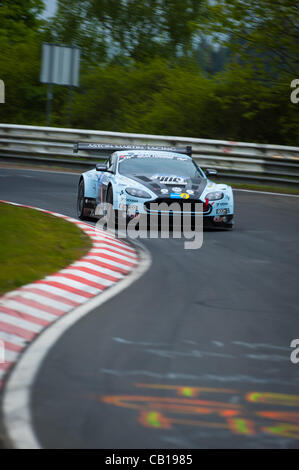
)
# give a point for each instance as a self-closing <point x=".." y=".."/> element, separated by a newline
<point x="134" y="179"/>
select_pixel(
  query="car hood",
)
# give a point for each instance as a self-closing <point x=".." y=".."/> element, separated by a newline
<point x="162" y="185"/>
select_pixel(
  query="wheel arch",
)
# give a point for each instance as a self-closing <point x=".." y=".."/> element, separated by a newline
<point x="115" y="194"/>
<point x="90" y="185"/>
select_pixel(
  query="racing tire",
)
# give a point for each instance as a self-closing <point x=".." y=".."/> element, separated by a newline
<point x="112" y="214"/>
<point x="81" y="209"/>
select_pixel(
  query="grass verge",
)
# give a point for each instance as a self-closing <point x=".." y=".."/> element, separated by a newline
<point x="34" y="244"/>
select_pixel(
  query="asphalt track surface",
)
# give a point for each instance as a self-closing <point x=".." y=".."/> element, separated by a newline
<point x="191" y="353"/>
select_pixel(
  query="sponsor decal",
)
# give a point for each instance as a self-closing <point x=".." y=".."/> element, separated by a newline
<point x="177" y="190"/>
<point x="190" y="191"/>
<point x="164" y="191"/>
<point x="166" y="179"/>
<point x="129" y="209"/>
<point x="222" y="211"/>
<point x="131" y="147"/>
<point x="139" y="155"/>
<point x="132" y="210"/>
<point x="179" y="196"/>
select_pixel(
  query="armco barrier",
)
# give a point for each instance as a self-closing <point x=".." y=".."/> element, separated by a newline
<point x="244" y="161"/>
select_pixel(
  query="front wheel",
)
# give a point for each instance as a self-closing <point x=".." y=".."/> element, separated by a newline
<point x="112" y="214"/>
<point x="80" y="201"/>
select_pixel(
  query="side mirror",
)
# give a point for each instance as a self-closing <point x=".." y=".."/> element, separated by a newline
<point x="101" y="167"/>
<point x="210" y="172"/>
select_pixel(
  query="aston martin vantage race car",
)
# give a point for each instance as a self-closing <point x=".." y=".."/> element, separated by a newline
<point x="134" y="179"/>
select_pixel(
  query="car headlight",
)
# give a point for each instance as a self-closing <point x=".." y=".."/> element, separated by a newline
<point x="137" y="193"/>
<point x="215" y="195"/>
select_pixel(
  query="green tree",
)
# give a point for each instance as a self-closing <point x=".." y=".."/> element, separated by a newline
<point x="20" y="41"/>
<point x="159" y="98"/>
<point x="19" y="19"/>
<point x="263" y="32"/>
<point x="73" y="25"/>
<point x="138" y="29"/>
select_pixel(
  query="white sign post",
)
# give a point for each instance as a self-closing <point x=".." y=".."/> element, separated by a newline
<point x="2" y="91"/>
<point x="60" y="66"/>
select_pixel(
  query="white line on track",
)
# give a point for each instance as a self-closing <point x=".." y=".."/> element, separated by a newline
<point x="40" y="170"/>
<point x="265" y="192"/>
<point x="17" y="389"/>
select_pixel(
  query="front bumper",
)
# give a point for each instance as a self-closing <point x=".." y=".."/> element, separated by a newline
<point x="214" y="215"/>
<point x="166" y="206"/>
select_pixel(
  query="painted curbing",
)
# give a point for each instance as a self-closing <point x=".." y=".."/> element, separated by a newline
<point x="27" y="311"/>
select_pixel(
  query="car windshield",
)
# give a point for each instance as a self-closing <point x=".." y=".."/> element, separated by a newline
<point x="159" y="165"/>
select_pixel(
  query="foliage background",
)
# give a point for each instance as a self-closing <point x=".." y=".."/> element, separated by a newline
<point x="193" y="68"/>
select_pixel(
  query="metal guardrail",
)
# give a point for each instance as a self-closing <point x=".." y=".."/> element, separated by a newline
<point x="240" y="160"/>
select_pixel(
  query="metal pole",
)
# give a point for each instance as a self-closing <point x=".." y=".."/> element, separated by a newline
<point x="70" y="110"/>
<point x="49" y="102"/>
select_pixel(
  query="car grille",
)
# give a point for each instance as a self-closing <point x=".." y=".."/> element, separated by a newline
<point x="182" y="205"/>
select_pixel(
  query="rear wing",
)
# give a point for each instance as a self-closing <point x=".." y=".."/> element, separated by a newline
<point x="89" y="146"/>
